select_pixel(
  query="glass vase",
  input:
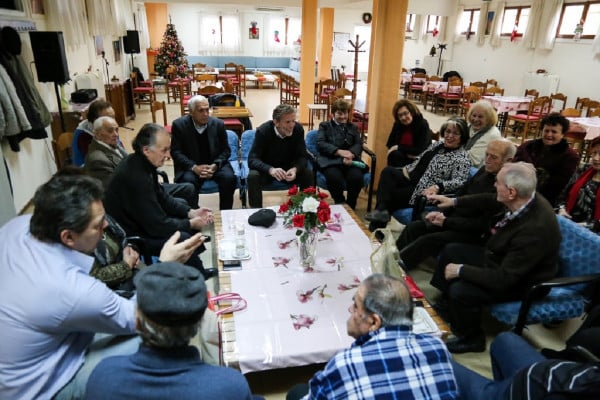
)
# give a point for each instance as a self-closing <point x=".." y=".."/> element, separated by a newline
<point x="307" y="245"/>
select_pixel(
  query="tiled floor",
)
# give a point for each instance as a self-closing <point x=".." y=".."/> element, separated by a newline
<point x="274" y="384"/>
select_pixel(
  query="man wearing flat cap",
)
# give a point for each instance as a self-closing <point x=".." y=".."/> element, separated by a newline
<point x="171" y="300"/>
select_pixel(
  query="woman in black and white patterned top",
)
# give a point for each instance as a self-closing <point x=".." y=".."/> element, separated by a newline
<point x="441" y="169"/>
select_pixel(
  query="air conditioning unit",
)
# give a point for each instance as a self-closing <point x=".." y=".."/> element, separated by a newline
<point x="270" y="9"/>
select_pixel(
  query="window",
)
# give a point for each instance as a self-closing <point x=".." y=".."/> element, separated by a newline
<point x="587" y="14"/>
<point x="410" y="22"/>
<point x="433" y="23"/>
<point x="469" y="20"/>
<point x="515" y="18"/>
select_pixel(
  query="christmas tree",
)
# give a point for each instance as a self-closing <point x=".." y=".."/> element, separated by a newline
<point x="171" y="53"/>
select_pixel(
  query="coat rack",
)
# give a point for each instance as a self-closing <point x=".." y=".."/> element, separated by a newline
<point x="355" y="49"/>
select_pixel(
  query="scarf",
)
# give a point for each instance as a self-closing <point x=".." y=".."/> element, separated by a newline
<point x="574" y="191"/>
<point x="473" y="139"/>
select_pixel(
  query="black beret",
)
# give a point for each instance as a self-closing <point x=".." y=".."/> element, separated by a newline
<point x="263" y="217"/>
<point x="171" y="294"/>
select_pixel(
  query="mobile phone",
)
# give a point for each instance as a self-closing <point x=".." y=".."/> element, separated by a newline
<point x="206" y="238"/>
<point x="232" y="265"/>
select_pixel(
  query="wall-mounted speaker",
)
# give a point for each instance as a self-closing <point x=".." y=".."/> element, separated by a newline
<point x="131" y="42"/>
<point x="49" y="56"/>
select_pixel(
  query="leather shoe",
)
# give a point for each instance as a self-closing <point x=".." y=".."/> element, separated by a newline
<point x="378" y="216"/>
<point x="474" y="344"/>
<point x="210" y="273"/>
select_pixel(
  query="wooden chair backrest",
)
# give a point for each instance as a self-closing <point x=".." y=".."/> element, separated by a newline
<point x="159" y="105"/>
<point x="435" y="78"/>
<point x="199" y="65"/>
<point x="230" y="68"/>
<point x="581" y="102"/>
<point x="478" y="84"/>
<point x="494" y="91"/>
<point x="491" y="82"/>
<point x="419" y="75"/>
<point x="539" y="106"/>
<point x="205" y="78"/>
<point x="593" y="112"/>
<point x="209" y="90"/>
<point x="570" y="112"/>
<point x="558" y="97"/>
<point x="531" y="93"/>
<point x="63" y="155"/>
<point x="592" y="108"/>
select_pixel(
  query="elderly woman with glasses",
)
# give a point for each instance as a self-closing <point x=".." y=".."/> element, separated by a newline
<point x="340" y="148"/>
<point x="441" y="169"/>
<point x="410" y="134"/>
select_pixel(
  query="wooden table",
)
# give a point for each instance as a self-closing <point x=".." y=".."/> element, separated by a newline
<point x="231" y="112"/>
<point x="264" y="336"/>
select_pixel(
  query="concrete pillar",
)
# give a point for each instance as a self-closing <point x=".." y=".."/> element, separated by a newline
<point x="307" y="57"/>
<point x="324" y="46"/>
<point x="387" y="46"/>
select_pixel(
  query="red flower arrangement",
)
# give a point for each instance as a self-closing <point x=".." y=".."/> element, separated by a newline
<point x="305" y="210"/>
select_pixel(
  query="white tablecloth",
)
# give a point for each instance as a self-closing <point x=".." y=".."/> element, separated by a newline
<point x="505" y="104"/>
<point x="591" y="126"/>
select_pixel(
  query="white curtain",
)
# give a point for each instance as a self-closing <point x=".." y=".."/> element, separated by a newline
<point x="497" y="25"/>
<point x="416" y="33"/>
<point x="457" y="29"/>
<point x="483" y="12"/>
<point x="142" y="25"/>
<point x="217" y="41"/>
<point x="232" y="39"/>
<point x="75" y="32"/>
<point x="443" y="29"/>
<point x="101" y="17"/>
<point x="535" y="16"/>
<point x="550" y="19"/>
<point x="275" y="37"/>
<point x="123" y="17"/>
<point x="210" y="35"/>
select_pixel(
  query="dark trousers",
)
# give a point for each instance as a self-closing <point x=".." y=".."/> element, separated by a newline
<point x="153" y="247"/>
<point x="257" y="180"/>
<point x="420" y="240"/>
<point x="394" y="190"/>
<point x="224" y="177"/>
<point x="185" y="191"/>
<point x="341" y="176"/>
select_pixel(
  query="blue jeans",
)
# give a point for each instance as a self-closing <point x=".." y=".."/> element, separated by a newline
<point x="103" y="346"/>
<point x="509" y="353"/>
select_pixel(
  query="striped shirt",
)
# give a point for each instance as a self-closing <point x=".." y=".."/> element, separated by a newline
<point x="390" y="363"/>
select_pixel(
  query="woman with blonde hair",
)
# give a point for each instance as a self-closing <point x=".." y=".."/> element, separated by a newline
<point x="482" y="120"/>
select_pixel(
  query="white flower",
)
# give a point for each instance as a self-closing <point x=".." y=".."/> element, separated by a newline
<point x="310" y="204"/>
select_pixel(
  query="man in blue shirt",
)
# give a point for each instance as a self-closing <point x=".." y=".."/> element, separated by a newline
<point x="387" y="360"/>
<point x="51" y="306"/>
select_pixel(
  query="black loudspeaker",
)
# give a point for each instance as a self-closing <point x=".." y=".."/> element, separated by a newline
<point x="131" y="42"/>
<point x="49" y="55"/>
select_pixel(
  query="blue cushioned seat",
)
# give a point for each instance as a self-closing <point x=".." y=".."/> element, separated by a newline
<point x="311" y="146"/>
<point x="579" y="266"/>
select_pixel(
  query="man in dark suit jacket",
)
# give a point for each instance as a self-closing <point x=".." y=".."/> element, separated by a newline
<point x="522" y="250"/>
<point x="428" y="236"/>
<point x="278" y="153"/>
<point x="141" y="206"/>
<point x="201" y="151"/>
<point x="105" y="152"/>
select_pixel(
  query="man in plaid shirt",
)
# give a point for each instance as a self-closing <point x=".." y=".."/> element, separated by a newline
<point x="387" y="360"/>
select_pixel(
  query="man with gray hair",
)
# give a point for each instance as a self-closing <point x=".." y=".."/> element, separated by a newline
<point x="166" y="366"/>
<point x="143" y="208"/>
<point x="521" y="249"/>
<point x="200" y="151"/>
<point x="387" y="360"/>
<point x="106" y="152"/>
<point x="278" y="154"/>
<point x="428" y="236"/>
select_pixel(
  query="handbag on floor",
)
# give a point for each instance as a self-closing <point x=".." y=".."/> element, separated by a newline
<point x="232" y="302"/>
<point x="384" y="260"/>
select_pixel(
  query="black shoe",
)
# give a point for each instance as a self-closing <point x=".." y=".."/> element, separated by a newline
<point x="474" y="344"/>
<point x="378" y="216"/>
<point x="210" y="273"/>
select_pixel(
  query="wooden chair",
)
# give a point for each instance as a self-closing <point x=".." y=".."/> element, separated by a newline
<point x="479" y="84"/>
<point x="525" y="125"/>
<point x="581" y="102"/>
<point x="240" y="72"/>
<point x="228" y="71"/>
<point x="324" y="88"/>
<point x="493" y="91"/>
<point x="557" y="98"/>
<point x="415" y="89"/>
<point x="450" y="99"/>
<point x="570" y="112"/>
<point x="206" y="79"/>
<point x="428" y="97"/>
<point x="490" y="83"/>
<point x="531" y="93"/>
<point x="142" y="94"/>
<point x="63" y="154"/>
<point x="341" y="93"/>
<point x="593" y="113"/>
<point x="576" y="140"/>
<point x="156" y="106"/>
<point x="470" y="95"/>
<point x="209" y="90"/>
<point x="592" y="108"/>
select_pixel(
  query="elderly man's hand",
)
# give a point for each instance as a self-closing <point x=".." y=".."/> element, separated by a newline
<point x="435" y="218"/>
<point x="180" y="252"/>
<point x="278" y="173"/>
<point x="441" y="201"/>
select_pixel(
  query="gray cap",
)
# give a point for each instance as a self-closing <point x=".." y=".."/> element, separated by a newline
<point x="171" y="294"/>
